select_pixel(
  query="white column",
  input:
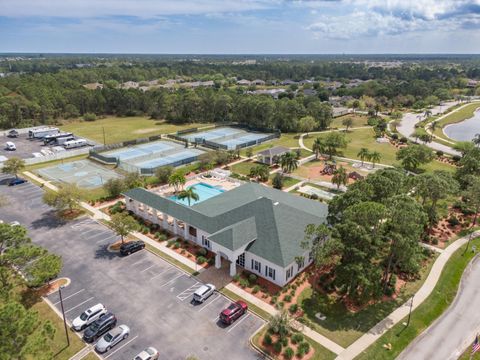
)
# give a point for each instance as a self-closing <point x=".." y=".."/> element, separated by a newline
<point x="233" y="268"/>
<point x="154" y="216"/>
<point x="165" y="221"/>
<point x="185" y="230"/>
<point x="175" y="226"/>
<point x="218" y="261"/>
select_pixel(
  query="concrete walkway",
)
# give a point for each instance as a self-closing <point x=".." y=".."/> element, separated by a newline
<point x="315" y="336"/>
<point x="400" y="313"/>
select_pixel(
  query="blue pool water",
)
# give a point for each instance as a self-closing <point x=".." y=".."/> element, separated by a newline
<point x="204" y="191"/>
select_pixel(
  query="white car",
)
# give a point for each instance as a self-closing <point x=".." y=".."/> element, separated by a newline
<point x="149" y="353"/>
<point x="203" y="293"/>
<point x="112" y="338"/>
<point x="88" y="317"/>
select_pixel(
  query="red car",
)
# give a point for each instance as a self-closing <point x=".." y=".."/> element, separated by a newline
<point x="233" y="312"/>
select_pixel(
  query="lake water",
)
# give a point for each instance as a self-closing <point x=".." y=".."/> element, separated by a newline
<point x="465" y="130"/>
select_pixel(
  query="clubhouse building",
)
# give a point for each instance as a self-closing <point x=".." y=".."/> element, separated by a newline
<point x="252" y="226"/>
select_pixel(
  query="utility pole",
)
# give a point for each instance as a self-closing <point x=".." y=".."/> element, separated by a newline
<point x="63" y="314"/>
<point x="103" y="129"/>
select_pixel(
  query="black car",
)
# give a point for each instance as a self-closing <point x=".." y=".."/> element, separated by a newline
<point x="131" y="247"/>
<point x="17" y="181"/>
<point x="12" y="134"/>
<point x="99" y="327"/>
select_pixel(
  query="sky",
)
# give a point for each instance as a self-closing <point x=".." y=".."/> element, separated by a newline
<point x="240" y="26"/>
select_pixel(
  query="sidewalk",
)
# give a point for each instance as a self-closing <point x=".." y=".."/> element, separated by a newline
<point x="315" y="336"/>
<point x="400" y="313"/>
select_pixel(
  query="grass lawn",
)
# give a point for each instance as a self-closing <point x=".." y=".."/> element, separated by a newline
<point x="119" y="129"/>
<point x="442" y="296"/>
<point x="358" y="120"/>
<point x="244" y="167"/>
<point x="344" y="326"/>
<point x="321" y="353"/>
<point x="90" y="356"/>
<point x="360" y="138"/>
<point x="287" y="181"/>
<point x="288" y="140"/>
<point x="458" y="116"/>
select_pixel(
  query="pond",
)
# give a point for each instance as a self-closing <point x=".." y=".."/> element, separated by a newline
<point x="465" y="130"/>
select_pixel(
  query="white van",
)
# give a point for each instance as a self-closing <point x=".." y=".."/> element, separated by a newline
<point x="75" y="143"/>
<point x="10" y="146"/>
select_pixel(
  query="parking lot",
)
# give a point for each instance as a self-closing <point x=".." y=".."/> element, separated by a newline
<point x="25" y="147"/>
<point x="145" y="292"/>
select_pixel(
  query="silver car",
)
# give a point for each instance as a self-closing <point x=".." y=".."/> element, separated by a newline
<point x="203" y="293"/>
<point x="112" y="338"/>
<point x="149" y="353"/>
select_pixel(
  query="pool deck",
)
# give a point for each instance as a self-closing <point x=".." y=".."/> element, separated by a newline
<point x="226" y="185"/>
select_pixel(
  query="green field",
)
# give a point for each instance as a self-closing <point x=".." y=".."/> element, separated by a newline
<point x="366" y="138"/>
<point x="358" y="120"/>
<point x="118" y="129"/>
<point x="288" y="140"/>
<point x="442" y="296"/>
<point x="458" y="116"/>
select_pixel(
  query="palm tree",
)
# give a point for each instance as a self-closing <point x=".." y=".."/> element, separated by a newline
<point x="288" y="162"/>
<point x="340" y="177"/>
<point x="427" y="113"/>
<point x="375" y="157"/>
<point x="188" y="194"/>
<point x="363" y="154"/>
<point x="476" y="139"/>
<point x="318" y="147"/>
<point x="433" y="126"/>
<point x="176" y="180"/>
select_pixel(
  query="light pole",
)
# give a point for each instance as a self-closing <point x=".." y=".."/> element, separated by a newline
<point x="63" y="314"/>
<point x="410" y="312"/>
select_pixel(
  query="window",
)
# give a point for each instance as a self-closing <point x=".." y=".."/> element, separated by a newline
<point x="205" y="242"/>
<point x="257" y="266"/>
<point x="270" y="272"/>
<point x="241" y="260"/>
<point x="289" y="272"/>
<point x="310" y="256"/>
<point x="301" y="263"/>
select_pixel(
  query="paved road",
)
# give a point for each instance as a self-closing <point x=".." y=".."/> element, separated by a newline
<point x="454" y="331"/>
<point x="409" y="120"/>
<point x="145" y="292"/>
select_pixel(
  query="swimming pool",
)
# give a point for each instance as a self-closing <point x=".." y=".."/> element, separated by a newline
<point x="204" y="191"/>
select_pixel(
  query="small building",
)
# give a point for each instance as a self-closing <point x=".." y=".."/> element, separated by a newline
<point x="268" y="156"/>
<point x="244" y="82"/>
<point x="253" y="227"/>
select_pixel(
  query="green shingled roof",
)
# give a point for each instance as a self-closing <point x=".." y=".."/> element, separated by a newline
<point x="274" y="218"/>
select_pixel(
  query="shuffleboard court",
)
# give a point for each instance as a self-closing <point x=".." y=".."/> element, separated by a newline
<point x="83" y="173"/>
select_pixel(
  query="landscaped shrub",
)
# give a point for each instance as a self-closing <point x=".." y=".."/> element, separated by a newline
<point x="284" y="341"/>
<point x="176" y="245"/>
<point x="274" y="299"/>
<point x="171" y="242"/>
<point x="280" y="305"/>
<point x="277" y="347"/>
<point x="403" y="140"/>
<point x="236" y="277"/>
<point x="211" y="261"/>
<point x="394" y="136"/>
<point x="288" y="353"/>
<point x="243" y="283"/>
<point x="287" y="298"/>
<point x="292" y="293"/>
<point x="456" y="158"/>
<point x="453" y="221"/>
<point x="252" y="278"/>
<point x="183" y="252"/>
<point x="89" y="117"/>
<point x="434" y="241"/>
<point x="372" y="121"/>
<point x="293" y="308"/>
<point x="202" y="252"/>
<point x="297" y="338"/>
<point x="439" y="153"/>
<point x="255" y="289"/>
<point x="267" y="339"/>
<point x="389" y="291"/>
<point x="303" y="348"/>
<point x="201" y="260"/>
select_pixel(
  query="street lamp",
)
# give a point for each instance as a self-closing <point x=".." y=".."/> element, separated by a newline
<point x="63" y="314"/>
<point x="409" y="313"/>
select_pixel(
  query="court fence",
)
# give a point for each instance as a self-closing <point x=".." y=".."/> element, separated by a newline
<point x="151" y="171"/>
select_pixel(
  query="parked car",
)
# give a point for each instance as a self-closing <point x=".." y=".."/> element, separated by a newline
<point x="149" y="353"/>
<point x="10" y="146"/>
<point x="131" y="247"/>
<point x="99" y="327"/>
<point x="88" y="317"/>
<point x="203" y="293"/>
<point x="112" y="338"/>
<point x="12" y="133"/>
<point x="16" y="181"/>
<point x="233" y="312"/>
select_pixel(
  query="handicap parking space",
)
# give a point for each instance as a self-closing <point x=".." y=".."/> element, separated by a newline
<point x="144" y="291"/>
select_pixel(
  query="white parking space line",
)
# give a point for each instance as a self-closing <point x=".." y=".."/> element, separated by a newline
<point x="76" y="306"/>
<point x="210" y="303"/>
<point x="185" y="294"/>
<point x="69" y="296"/>
<point x="83" y="222"/>
<point x="238" y="323"/>
<point x="107" y="239"/>
<point x="172" y="280"/>
<point x="161" y="272"/>
<point x="148" y="268"/>
<point x="215" y="319"/>
<point x="138" y="262"/>
<point x="121" y="347"/>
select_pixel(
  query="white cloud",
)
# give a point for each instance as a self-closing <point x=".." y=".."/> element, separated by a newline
<point x="139" y="8"/>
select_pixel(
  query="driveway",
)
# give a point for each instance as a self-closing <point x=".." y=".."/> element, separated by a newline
<point x="455" y="330"/>
<point x="145" y="292"/>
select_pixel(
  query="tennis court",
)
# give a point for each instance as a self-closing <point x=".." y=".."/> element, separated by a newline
<point x="228" y="137"/>
<point x="83" y="173"/>
<point x="170" y="159"/>
<point x="142" y="150"/>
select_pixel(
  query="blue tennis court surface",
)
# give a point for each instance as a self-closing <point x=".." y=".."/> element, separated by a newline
<point x="204" y="192"/>
<point x="228" y="137"/>
<point x="170" y="159"/>
<point x="140" y="150"/>
<point x="83" y="173"/>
